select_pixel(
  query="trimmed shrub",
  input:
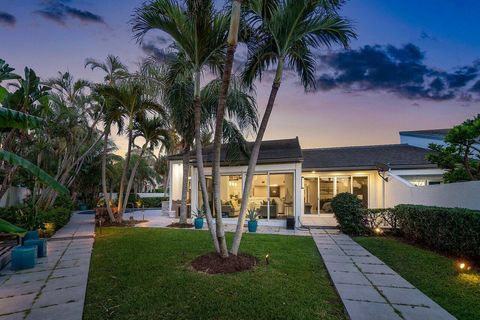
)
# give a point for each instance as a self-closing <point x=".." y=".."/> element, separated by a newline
<point x="348" y="211"/>
<point x="153" y="202"/>
<point x="453" y="231"/>
<point x="24" y="216"/>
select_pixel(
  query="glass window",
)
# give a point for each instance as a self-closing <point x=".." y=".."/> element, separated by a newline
<point x="231" y="195"/>
<point x="326" y="194"/>
<point x="311" y="195"/>
<point x="281" y="195"/>
<point x="259" y="196"/>
<point x="210" y="194"/>
<point x="360" y="189"/>
<point x="344" y="185"/>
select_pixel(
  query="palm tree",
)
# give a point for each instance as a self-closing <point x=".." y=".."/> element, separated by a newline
<point x="232" y="41"/>
<point x="73" y="119"/>
<point x="112" y="113"/>
<point x="154" y="132"/>
<point x="241" y="116"/>
<point x="199" y="34"/>
<point x="284" y="34"/>
<point x="130" y="97"/>
<point x="115" y="70"/>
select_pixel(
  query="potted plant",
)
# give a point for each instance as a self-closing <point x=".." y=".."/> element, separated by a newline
<point x="199" y="215"/>
<point x="252" y="220"/>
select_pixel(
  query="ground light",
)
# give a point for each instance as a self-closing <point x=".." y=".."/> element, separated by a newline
<point x="266" y="259"/>
<point x="463" y="266"/>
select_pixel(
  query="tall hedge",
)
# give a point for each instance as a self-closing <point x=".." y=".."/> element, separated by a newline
<point x="453" y="231"/>
<point x="153" y="202"/>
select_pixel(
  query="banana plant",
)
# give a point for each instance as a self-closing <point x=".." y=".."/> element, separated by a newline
<point x="7" y="227"/>
<point x="15" y="119"/>
<point x="18" y="120"/>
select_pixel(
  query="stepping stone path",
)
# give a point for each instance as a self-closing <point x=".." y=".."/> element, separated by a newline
<point x="369" y="289"/>
<point x="55" y="288"/>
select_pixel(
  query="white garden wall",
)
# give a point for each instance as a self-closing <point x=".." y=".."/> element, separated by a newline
<point x="460" y="194"/>
<point x="14" y="196"/>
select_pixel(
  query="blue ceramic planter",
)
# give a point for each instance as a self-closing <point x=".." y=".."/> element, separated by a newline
<point x="198" y="223"/>
<point x="252" y="226"/>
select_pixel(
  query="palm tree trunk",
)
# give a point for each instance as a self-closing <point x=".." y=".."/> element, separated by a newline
<point x="254" y="157"/>
<point x="124" y="173"/>
<point x="132" y="176"/>
<point x="217" y="142"/>
<point x="104" y="179"/>
<point x="200" y="169"/>
<point x="186" y="169"/>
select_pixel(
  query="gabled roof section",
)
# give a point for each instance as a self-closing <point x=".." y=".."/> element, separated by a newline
<point x="271" y="151"/>
<point x="397" y="156"/>
<point x="438" y="134"/>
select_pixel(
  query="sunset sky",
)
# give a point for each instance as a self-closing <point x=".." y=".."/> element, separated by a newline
<point x="415" y="64"/>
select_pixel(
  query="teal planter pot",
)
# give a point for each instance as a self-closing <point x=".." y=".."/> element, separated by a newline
<point x="252" y="226"/>
<point x="198" y="223"/>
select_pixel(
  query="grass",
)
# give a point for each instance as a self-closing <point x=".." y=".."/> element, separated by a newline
<point x="139" y="273"/>
<point x="434" y="274"/>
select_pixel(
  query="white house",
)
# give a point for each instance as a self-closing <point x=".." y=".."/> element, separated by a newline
<point x="295" y="182"/>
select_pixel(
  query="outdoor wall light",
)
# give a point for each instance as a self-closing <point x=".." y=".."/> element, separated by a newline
<point x="378" y="231"/>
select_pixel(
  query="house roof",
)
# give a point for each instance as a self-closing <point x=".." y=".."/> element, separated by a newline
<point x="397" y="156"/>
<point x="438" y="134"/>
<point x="271" y="151"/>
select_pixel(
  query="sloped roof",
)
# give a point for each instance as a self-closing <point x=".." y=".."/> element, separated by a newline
<point x="398" y="156"/>
<point x="271" y="151"/>
<point x="431" y="134"/>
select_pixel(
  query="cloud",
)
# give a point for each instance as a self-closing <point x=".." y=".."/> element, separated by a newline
<point x="60" y="12"/>
<point x="6" y="19"/>
<point x="399" y="70"/>
<point x="159" y="54"/>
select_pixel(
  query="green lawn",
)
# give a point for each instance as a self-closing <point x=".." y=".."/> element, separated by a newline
<point x="141" y="273"/>
<point x="432" y="273"/>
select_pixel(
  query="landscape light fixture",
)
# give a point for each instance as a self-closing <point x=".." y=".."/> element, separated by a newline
<point x="266" y="259"/>
<point x="463" y="266"/>
<point x="378" y="231"/>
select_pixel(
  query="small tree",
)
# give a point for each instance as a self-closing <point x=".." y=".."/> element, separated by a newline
<point x="461" y="154"/>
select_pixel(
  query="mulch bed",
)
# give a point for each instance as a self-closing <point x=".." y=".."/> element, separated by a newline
<point x="213" y="263"/>
<point x="180" y="225"/>
<point x="124" y="223"/>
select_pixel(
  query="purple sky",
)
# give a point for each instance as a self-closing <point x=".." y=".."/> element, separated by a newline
<point x="426" y="79"/>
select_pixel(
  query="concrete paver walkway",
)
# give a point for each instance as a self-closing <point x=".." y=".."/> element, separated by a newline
<point x="369" y="289"/>
<point x="55" y="288"/>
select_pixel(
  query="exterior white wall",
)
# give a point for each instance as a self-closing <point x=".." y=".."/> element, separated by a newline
<point x="422" y="142"/>
<point x="460" y="194"/>
<point x="14" y="196"/>
<point x="176" y="172"/>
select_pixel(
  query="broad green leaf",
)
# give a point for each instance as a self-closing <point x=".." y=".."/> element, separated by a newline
<point x="33" y="169"/>
<point x="7" y="227"/>
<point x="14" y="119"/>
<point x="3" y="93"/>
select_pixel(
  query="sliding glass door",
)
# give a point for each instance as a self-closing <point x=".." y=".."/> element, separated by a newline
<point x="319" y="191"/>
